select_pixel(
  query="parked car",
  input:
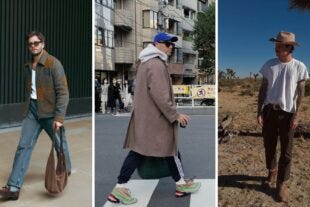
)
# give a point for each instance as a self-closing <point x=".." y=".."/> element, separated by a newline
<point x="207" y="102"/>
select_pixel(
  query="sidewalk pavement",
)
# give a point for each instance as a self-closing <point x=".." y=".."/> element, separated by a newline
<point x="78" y="192"/>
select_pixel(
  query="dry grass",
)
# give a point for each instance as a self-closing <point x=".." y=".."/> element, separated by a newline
<point x="241" y="160"/>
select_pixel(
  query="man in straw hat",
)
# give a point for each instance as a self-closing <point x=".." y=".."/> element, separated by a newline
<point x="279" y="104"/>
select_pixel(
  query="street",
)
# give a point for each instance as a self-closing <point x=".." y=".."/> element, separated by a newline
<point x="197" y="147"/>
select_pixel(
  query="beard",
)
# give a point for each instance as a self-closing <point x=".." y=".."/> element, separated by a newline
<point x="34" y="54"/>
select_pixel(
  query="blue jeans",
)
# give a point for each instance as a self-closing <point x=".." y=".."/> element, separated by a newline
<point x="31" y="128"/>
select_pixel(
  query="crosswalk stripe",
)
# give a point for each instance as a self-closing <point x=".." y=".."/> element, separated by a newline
<point x="141" y="189"/>
<point x="206" y="195"/>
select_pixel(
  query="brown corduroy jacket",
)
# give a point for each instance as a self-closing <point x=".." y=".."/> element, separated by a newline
<point x="51" y="86"/>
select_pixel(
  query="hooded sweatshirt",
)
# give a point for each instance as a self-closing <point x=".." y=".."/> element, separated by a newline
<point x="150" y="52"/>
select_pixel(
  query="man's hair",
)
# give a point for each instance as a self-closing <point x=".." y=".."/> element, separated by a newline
<point x="35" y="33"/>
<point x="290" y="46"/>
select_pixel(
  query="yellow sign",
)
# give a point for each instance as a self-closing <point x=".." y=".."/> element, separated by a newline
<point x="180" y="89"/>
<point x="205" y="91"/>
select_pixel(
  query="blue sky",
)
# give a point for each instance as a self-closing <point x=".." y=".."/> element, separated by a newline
<point x="244" y="28"/>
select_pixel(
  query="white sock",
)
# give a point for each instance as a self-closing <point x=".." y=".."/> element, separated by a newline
<point x="181" y="182"/>
<point x="13" y="189"/>
<point x="120" y="185"/>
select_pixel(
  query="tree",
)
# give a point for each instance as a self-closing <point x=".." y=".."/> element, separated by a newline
<point x="300" y="4"/>
<point x="230" y="73"/>
<point x="204" y="39"/>
<point x="222" y="75"/>
<point x="255" y="76"/>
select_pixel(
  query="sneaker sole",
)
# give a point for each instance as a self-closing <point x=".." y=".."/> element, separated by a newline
<point x="10" y="198"/>
<point x="180" y="194"/>
<point x="192" y="191"/>
<point x="114" y="199"/>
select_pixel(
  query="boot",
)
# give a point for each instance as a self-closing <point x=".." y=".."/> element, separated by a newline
<point x="271" y="179"/>
<point x="7" y="194"/>
<point x="282" y="191"/>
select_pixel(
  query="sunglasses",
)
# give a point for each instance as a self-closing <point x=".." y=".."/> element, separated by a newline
<point x="168" y="44"/>
<point x="36" y="43"/>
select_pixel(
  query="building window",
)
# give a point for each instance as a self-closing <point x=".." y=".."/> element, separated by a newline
<point x="189" y="59"/>
<point x="187" y="36"/>
<point x="109" y="38"/>
<point x="149" y="19"/>
<point x="179" y="57"/>
<point x="107" y="3"/>
<point x="186" y="13"/>
<point x="104" y="37"/>
<point x="99" y="39"/>
<point x="166" y="22"/>
<point x="193" y="15"/>
<point x="178" y="4"/>
<point x="170" y="2"/>
<point x="179" y="28"/>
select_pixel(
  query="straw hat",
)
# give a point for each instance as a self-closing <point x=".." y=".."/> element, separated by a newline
<point x="286" y="38"/>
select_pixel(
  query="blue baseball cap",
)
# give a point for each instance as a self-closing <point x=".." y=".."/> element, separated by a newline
<point x="164" y="37"/>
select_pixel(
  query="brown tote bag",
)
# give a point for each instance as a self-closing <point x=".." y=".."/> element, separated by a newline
<point x="56" y="178"/>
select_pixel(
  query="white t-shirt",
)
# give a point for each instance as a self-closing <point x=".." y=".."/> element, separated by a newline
<point x="282" y="82"/>
<point x="33" y="93"/>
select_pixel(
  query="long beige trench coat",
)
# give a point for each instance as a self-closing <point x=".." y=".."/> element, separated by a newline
<point x="153" y="127"/>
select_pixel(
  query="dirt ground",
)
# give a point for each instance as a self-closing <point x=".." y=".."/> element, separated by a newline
<point x="241" y="160"/>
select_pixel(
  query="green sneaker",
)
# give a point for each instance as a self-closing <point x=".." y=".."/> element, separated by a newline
<point x="122" y="195"/>
<point x="185" y="189"/>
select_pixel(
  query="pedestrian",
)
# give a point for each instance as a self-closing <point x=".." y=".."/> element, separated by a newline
<point x="46" y="100"/>
<point x="98" y="91"/>
<point x="279" y="103"/>
<point x="153" y="126"/>
<point x="118" y="96"/>
<point x="104" y="96"/>
<point x="111" y="97"/>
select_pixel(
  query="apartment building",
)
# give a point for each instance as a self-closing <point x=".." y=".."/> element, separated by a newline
<point x="190" y="57"/>
<point x="104" y="39"/>
<point x="135" y="23"/>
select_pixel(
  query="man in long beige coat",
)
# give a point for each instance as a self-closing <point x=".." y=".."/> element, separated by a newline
<point x="153" y="127"/>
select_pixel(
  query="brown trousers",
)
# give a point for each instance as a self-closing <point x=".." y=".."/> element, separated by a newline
<point x="277" y="124"/>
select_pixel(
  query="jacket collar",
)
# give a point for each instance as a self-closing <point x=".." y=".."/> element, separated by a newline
<point x="42" y="60"/>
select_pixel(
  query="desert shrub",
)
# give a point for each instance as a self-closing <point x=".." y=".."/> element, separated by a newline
<point x="232" y="85"/>
<point x="244" y="86"/>
<point x="247" y="92"/>
<point x="228" y="82"/>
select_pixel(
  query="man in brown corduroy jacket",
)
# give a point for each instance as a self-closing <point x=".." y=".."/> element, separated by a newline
<point x="46" y="101"/>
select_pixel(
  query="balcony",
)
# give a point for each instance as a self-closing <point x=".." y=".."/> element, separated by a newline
<point x="189" y="70"/>
<point x="176" y="69"/>
<point x="173" y="13"/>
<point x="104" y="59"/>
<point x="188" y="24"/>
<point x="187" y="47"/>
<point x="123" y="19"/>
<point x="124" y="55"/>
<point x="190" y="4"/>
